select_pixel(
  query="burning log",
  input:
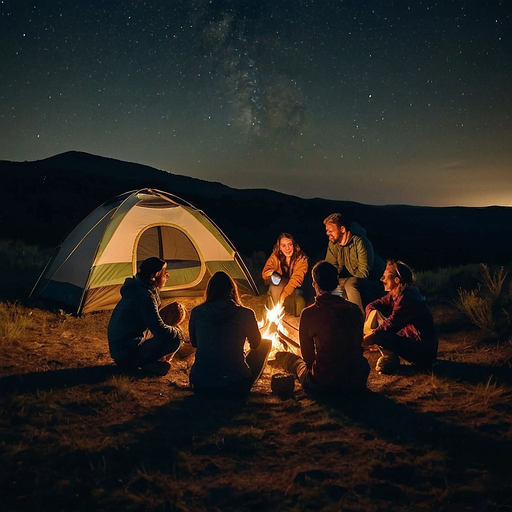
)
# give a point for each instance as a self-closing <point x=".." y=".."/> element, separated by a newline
<point x="282" y="333"/>
<point x="289" y="343"/>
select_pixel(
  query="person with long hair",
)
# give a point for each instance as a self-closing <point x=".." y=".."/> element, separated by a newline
<point x="284" y="274"/>
<point x="219" y="329"/>
<point x="401" y="324"/>
<point x="140" y="334"/>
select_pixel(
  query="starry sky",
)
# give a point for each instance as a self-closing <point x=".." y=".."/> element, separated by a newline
<point x="379" y="102"/>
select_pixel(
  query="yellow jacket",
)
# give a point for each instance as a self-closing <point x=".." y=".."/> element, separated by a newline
<point x="298" y="270"/>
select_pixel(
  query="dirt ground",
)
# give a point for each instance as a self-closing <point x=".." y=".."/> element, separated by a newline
<point x="76" y="434"/>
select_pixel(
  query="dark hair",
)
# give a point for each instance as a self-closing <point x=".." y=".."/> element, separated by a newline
<point x="297" y="252"/>
<point x="149" y="267"/>
<point x="402" y="271"/>
<point x="221" y="286"/>
<point x="339" y="219"/>
<point x="325" y="276"/>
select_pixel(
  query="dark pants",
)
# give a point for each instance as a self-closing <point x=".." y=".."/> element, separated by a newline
<point x="307" y="381"/>
<point x="153" y="348"/>
<point x="256" y="359"/>
<point x="414" y="351"/>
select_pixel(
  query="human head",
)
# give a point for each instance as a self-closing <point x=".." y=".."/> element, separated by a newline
<point x="338" y="219"/>
<point x="221" y="286"/>
<point x="153" y="271"/>
<point x="337" y="228"/>
<point x="285" y="246"/>
<point x="397" y="276"/>
<point x="325" y="276"/>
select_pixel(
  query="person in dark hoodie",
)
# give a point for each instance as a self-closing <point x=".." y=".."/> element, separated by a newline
<point x="219" y="328"/>
<point x="140" y="334"/>
<point x="331" y="335"/>
<point x="401" y="324"/>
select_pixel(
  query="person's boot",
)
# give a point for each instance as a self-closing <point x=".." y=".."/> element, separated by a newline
<point x="287" y="361"/>
<point x="157" y="367"/>
<point x="388" y="362"/>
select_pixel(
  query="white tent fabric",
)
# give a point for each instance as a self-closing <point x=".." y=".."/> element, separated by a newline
<point x="88" y="268"/>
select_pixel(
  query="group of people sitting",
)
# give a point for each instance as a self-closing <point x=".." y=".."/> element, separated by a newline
<point x="359" y="303"/>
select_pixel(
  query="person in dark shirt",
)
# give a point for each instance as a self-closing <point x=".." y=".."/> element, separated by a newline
<point x="331" y="335"/>
<point x="401" y="324"/>
<point x="219" y="328"/>
<point x="140" y="333"/>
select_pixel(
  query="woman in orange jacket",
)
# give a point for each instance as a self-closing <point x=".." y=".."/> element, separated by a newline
<point x="284" y="272"/>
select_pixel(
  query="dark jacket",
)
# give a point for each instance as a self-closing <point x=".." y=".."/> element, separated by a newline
<point x="408" y="316"/>
<point x="219" y="330"/>
<point x="331" y="333"/>
<point x="135" y="314"/>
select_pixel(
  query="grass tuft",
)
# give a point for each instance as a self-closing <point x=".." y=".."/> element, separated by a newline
<point x="489" y="391"/>
<point x="14" y="320"/>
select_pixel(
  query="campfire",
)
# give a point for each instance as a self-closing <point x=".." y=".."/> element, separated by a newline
<point x="276" y="328"/>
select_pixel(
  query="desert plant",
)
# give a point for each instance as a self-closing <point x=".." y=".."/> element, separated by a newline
<point x="487" y="306"/>
<point x="478" y="309"/>
<point x="14" y="319"/>
<point x="494" y="282"/>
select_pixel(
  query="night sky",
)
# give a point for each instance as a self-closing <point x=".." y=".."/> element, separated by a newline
<point x="378" y="102"/>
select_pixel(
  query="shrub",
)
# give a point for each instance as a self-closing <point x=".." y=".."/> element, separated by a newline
<point x="488" y="306"/>
<point x="477" y="308"/>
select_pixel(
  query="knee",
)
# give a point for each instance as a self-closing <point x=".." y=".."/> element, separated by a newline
<point x="265" y="345"/>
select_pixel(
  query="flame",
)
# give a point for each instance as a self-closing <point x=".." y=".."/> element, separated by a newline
<point x="269" y="327"/>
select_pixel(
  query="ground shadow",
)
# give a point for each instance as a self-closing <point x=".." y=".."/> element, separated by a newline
<point x="472" y="372"/>
<point x="56" y="379"/>
<point x="403" y="425"/>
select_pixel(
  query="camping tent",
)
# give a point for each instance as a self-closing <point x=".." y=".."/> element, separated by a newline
<point x="89" y="266"/>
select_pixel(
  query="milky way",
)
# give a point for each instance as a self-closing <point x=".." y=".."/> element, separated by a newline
<point x="369" y="101"/>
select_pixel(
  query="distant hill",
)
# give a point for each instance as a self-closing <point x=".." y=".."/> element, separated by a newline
<point x="43" y="200"/>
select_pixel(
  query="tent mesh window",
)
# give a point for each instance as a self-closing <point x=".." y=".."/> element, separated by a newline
<point x="173" y="246"/>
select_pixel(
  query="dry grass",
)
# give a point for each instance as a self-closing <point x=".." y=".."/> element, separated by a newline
<point x="14" y="320"/>
<point x="75" y="434"/>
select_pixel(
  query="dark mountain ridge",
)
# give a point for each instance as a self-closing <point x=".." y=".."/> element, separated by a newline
<point x="43" y="200"/>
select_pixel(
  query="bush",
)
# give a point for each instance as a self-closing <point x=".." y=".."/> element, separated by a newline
<point x="488" y="306"/>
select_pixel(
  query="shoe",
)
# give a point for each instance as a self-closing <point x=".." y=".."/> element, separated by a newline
<point x="287" y="361"/>
<point x="387" y="364"/>
<point x="157" y="367"/>
<point x="185" y="350"/>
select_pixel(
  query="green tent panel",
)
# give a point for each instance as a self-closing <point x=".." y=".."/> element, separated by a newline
<point x="89" y="266"/>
